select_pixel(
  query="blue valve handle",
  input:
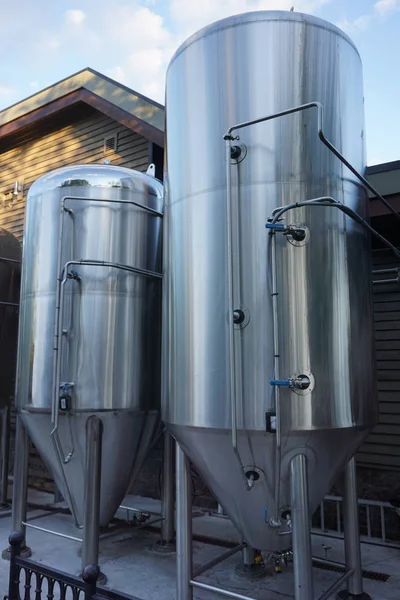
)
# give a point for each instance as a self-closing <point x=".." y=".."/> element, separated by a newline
<point x="278" y="226"/>
<point x="280" y="382"/>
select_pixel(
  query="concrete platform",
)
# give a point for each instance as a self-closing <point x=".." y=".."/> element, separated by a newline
<point x="132" y="566"/>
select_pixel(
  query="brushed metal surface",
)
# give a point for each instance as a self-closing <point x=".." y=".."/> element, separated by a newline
<point x="236" y="70"/>
<point x="110" y="348"/>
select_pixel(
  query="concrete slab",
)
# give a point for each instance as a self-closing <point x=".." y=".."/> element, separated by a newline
<point x="133" y="567"/>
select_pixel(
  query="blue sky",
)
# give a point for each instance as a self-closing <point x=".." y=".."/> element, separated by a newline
<point x="43" y="41"/>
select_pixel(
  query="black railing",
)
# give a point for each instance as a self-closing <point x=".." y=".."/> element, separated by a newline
<point x="30" y="580"/>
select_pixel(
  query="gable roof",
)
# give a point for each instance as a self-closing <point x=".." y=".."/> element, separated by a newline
<point x="131" y="109"/>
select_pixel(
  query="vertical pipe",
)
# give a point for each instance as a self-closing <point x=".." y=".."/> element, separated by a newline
<point x="248" y="556"/>
<point x="20" y="487"/>
<point x="184" y="565"/>
<point x="302" y="557"/>
<point x="5" y="453"/>
<point x="92" y="483"/>
<point x="351" y="529"/>
<point x="167" y="492"/>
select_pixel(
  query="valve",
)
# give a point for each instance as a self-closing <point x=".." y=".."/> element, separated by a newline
<point x="296" y="233"/>
<point x="299" y="382"/>
<point x="73" y="275"/>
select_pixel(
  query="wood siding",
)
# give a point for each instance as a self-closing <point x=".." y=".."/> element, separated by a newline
<point x="382" y="447"/>
<point x="80" y="141"/>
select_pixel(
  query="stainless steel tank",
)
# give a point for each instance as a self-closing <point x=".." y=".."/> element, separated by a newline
<point x="218" y="401"/>
<point x="90" y="323"/>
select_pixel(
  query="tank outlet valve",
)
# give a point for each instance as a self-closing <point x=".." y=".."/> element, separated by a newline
<point x="238" y="316"/>
<point x="295" y="233"/>
<point x="300" y="382"/>
<point x="74" y="275"/>
<point x="281" y="382"/>
<point x="276" y="227"/>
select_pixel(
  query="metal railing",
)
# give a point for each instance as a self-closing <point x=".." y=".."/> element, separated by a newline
<point x="31" y="580"/>
<point x="379" y="522"/>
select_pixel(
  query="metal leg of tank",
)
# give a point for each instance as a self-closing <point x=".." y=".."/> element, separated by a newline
<point x="184" y="562"/>
<point x="249" y="566"/>
<point x="91" y="515"/>
<point x="351" y="530"/>
<point x="20" y="487"/>
<point x="302" y="557"/>
<point x="5" y="454"/>
<point x="167" y="542"/>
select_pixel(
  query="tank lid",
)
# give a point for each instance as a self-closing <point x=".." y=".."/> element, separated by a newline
<point x="259" y="16"/>
<point x="96" y="175"/>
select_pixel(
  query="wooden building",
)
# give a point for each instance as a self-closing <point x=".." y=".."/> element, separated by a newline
<point x="89" y="118"/>
<point x="85" y="118"/>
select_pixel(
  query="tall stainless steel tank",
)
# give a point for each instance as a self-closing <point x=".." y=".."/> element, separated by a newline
<point x="235" y="70"/>
<point x="90" y="323"/>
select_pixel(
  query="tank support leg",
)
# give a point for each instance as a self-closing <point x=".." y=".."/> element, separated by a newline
<point x="167" y="542"/>
<point x="92" y="492"/>
<point x="302" y="557"/>
<point x="351" y="530"/>
<point x="184" y="563"/>
<point x="20" y="487"/>
<point x="5" y="454"/>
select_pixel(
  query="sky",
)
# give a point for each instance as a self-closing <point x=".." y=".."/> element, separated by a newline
<point x="132" y="41"/>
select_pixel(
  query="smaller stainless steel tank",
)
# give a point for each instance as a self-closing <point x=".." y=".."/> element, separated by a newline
<point x="90" y="323"/>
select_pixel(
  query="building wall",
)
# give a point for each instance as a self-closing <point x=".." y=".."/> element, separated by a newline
<point x="382" y="447"/>
<point x="80" y="140"/>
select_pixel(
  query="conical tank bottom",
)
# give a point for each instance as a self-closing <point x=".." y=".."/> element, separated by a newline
<point x="211" y="452"/>
<point x="127" y="436"/>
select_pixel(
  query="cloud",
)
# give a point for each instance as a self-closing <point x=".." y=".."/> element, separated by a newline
<point x="130" y="41"/>
<point x="382" y="9"/>
<point x="75" y="17"/>
<point x="385" y="7"/>
<point x="6" y="90"/>
<point x="194" y="14"/>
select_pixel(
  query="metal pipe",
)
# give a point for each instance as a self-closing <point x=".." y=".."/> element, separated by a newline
<point x="108" y="201"/>
<point x="248" y="555"/>
<point x="301" y="526"/>
<point x="220" y="591"/>
<point x="351" y="529"/>
<point x="92" y="483"/>
<point x="20" y="486"/>
<point x="232" y="354"/>
<point x="322" y="137"/>
<point x="5" y="454"/>
<point x="167" y="492"/>
<point x="335" y="586"/>
<point x="11" y="260"/>
<point x="184" y="560"/>
<point x="51" y="532"/>
<point x="218" y="559"/>
<point x="15" y="304"/>
<point x="275" y="323"/>
<point x="58" y="324"/>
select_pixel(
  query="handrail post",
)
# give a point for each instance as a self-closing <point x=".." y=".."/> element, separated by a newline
<point x="90" y="575"/>
<point x="16" y="540"/>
